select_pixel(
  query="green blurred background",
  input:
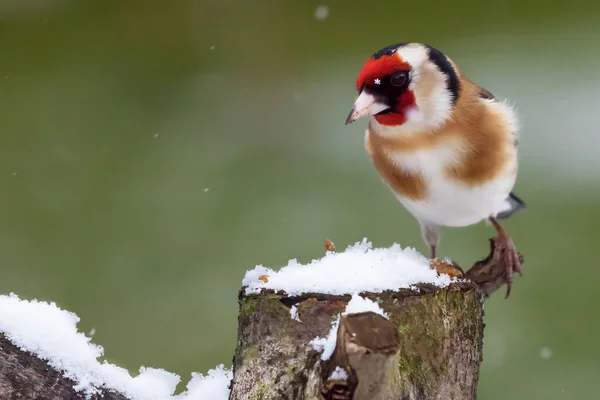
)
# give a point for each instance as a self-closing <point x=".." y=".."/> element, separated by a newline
<point x="153" y="151"/>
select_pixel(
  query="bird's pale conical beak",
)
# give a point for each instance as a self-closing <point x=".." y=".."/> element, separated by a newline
<point x="366" y="105"/>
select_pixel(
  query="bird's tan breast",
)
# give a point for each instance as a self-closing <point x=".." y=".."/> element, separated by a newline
<point x="403" y="181"/>
<point x="474" y="147"/>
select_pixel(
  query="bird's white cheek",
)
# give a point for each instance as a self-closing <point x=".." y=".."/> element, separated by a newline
<point x="416" y="121"/>
<point x="414" y="116"/>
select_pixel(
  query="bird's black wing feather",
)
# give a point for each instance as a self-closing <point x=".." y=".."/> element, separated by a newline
<point x="515" y="203"/>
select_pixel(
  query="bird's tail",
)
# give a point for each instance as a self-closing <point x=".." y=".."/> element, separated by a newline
<point x="513" y="204"/>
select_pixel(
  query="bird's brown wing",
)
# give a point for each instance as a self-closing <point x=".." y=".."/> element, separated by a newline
<point x="481" y="92"/>
<point x="485" y="94"/>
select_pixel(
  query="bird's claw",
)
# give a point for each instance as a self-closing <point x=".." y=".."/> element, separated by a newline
<point x="506" y="252"/>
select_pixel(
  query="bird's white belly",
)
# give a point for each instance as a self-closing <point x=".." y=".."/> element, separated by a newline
<point x="449" y="202"/>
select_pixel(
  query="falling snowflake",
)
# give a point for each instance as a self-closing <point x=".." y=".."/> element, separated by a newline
<point x="545" y="353"/>
<point x="378" y="81"/>
<point x="321" y="13"/>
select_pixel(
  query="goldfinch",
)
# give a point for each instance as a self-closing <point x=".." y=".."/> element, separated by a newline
<point x="446" y="147"/>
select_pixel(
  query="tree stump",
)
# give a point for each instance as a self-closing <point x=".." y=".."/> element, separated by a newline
<point x="429" y="347"/>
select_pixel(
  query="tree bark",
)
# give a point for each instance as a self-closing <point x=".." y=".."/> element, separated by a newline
<point x="429" y="348"/>
<point x="23" y="376"/>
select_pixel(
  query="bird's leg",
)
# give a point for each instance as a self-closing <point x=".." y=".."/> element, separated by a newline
<point x="504" y="247"/>
<point x="431" y="236"/>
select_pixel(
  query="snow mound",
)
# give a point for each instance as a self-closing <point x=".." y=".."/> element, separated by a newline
<point x="51" y="334"/>
<point x="359" y="268"/>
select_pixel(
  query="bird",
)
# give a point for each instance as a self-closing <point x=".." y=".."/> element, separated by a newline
<point x="445" y="146"/>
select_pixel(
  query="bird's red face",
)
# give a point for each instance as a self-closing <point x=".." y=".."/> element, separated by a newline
<point x="383" y="87"/>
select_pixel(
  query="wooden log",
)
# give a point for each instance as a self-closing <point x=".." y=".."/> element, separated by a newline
<point x="23" y="376"/>
<point x="429" y="347"/>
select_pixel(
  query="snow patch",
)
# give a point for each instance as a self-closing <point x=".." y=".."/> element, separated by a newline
<point x="359" y="268"/>
<point x="294" y="313"/>
<point x="51" y="334"/>
<point x="356" y="305"/>
<point x="339" y="374"/>
<point x="329" y="342"/>
<point x="213" y="386"/>
<point x="318" y="344"/>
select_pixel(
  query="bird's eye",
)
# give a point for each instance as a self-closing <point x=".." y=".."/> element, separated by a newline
<point x="399" y="78"/>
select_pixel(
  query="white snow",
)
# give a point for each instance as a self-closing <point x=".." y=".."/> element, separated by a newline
<point x="359" y="268"/>
<point x="339" y="374"/>
<point x="329" y="342"/>
<point x="51" y="334"/>
<point x="213" y="386"/>
<point x="357" y="304"/>
<point x="318" y="344"/>
<point x="294" y="313"/>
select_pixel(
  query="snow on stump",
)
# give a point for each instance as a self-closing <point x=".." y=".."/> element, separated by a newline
<point x="364" y="324"/>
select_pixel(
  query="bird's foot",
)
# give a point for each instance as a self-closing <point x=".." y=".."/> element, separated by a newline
<point x="506" y="252"/>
